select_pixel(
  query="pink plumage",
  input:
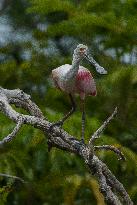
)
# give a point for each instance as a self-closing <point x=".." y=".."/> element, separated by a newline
<point x="76" y="79"/>
<point x="85" y="84"/>
<point x="82" y="84"/>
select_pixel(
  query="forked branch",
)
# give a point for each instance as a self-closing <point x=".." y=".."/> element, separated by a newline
<point x="110" y="187"/>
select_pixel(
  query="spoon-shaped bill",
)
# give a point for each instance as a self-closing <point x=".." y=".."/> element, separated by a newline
<point x="99" y="68"/>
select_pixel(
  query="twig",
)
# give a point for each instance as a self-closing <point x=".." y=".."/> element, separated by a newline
<point x="112" y="148"/>
<point x="96" y="134"/>
<point x="23" y="100"/>
<point x="115" y="184"/>
<point x="13" y="177"/>
<point x="13" y="133"/>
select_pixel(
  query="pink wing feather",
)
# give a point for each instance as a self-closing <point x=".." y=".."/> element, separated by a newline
<point x="85" y="83"/>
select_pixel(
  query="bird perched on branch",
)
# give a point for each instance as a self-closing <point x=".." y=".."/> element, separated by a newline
<point x="74" y="79"/>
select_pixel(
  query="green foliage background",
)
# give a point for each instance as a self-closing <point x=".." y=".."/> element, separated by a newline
<point x="43" y="36"/>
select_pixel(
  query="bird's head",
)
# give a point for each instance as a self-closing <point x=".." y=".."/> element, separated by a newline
<point x="82" y="52"/>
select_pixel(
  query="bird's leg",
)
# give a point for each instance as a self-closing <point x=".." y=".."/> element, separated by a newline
<point x="71" y="111"/>
<point x="61" y="122"/>
<point x="83" y="121"/>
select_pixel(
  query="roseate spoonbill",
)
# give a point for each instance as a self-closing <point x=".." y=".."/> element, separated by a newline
<point x="76" y="79"/>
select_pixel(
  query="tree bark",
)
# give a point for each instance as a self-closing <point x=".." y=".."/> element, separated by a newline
<point x="113" y="191"/>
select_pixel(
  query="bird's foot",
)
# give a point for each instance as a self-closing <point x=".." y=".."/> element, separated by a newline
<point x="82" y="141"/>
<point x="79" y="144"/>
<point x="58" y="124"/>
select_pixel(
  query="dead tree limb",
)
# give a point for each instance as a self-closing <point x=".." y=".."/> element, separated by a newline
<point x="97" y="134"/>
<point x="112" y="148"/>
<point x="12" y="177"/>
<point x="13" y="133"/>
<point x="113" y="191"/>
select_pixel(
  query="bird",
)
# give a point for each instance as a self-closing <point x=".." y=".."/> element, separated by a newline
<point x="76" y="79"/>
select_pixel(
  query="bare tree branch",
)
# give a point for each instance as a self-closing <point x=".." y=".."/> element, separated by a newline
<point x="21" y="99"/>
<point x="112" y="148"/>
<point x="105" y="188"/>
<point x="13" y="133"/>
<point x="110" y="180"/>
<point x="115" y="184"/>
<point x="113" y="191"/>
<point x="13" y="177"/>
<point x="96" y="135"/>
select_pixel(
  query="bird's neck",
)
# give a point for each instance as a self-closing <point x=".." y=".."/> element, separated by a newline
<point x="74" y="68"/>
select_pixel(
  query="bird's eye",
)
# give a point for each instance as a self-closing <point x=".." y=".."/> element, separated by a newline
<point x="82" y="49"/>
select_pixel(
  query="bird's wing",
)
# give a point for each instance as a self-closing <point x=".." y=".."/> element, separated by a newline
<point x="58" y="75"/>
<point x="61" y="70"/>
<point x="85" y="82"/>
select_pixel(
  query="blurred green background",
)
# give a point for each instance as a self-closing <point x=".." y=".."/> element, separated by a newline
<point x="37" y="36"/>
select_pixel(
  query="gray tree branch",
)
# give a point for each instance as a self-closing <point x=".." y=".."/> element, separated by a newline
<point x="13" y="133"/>
<point x="113" y="191"/>
<point x="13" y="177"/>
<point x="112" y="148"/>
<point x="97" y="134"/>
